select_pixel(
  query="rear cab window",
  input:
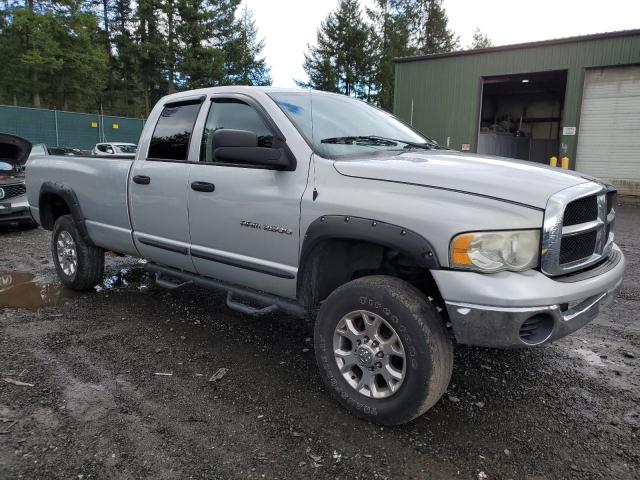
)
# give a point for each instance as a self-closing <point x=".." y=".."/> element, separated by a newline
<point x="172" y="134"/>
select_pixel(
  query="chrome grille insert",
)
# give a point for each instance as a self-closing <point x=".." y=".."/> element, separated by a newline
<point x="579" y="211"/>
<point x="578" y="228"/>
<point x="10" y="191"/>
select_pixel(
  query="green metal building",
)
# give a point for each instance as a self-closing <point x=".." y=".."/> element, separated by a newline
<point x="577" y="97"/>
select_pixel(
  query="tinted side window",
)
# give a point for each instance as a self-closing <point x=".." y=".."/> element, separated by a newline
<point x="171" y="137"/>
<point x="236" y="115"/>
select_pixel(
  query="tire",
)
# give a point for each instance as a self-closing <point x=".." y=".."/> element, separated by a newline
<point x="424" y="342"/>
<point x="89" y="260"/>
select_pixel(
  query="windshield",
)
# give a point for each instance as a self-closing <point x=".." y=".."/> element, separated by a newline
<point x="337" y="126"/>
<point x="125" y="148"/>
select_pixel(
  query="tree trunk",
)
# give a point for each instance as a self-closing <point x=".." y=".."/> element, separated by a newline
<point x="172" y="58"/>
<point x="105" y="19"/>
<point x="34" y="89"/>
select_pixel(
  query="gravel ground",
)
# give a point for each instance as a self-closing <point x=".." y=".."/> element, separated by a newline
<point x="97" y="407"/>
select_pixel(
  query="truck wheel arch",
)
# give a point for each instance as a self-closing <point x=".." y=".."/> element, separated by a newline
<point x="338" y="236"/>
<point x="57" y="199"/>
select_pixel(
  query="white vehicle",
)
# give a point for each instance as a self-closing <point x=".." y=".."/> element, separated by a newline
<point x="115" y="148"/>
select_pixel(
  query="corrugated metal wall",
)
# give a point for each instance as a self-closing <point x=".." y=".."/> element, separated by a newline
<point x="67" y="129"/>
<point x="446" y="91"/>
<point x="609" y="140"/>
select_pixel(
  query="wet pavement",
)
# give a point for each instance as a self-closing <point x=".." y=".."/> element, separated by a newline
<point x="114" y="383"/>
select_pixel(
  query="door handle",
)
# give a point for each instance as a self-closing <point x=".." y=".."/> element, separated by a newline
<point x="203" y="187"/>
<point x="142" y="179"/>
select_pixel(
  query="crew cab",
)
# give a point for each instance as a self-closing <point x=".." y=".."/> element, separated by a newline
<point x="325" y="207"/>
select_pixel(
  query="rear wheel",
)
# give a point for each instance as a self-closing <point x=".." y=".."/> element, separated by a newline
<point x="383" y="350"/>
<point x="79" y="266"/>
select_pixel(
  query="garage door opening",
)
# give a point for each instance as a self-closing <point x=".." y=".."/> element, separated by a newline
<point x="521" y="115"/>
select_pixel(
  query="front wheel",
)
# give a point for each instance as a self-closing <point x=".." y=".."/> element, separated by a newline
<point x="383" y="350"/>
<point x="80" y="266"/>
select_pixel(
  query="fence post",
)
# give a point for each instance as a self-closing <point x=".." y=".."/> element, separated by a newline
<point x="55" y="117"/>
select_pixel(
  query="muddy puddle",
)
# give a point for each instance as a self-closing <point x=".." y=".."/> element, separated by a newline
<point x="19" y="290"/>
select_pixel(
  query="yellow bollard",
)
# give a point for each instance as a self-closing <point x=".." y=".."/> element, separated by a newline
<point x="553" y="161"/>
<point x="565" y="163"/>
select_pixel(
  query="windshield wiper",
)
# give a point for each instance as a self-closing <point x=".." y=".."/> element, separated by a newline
<point x="378" y="141"/>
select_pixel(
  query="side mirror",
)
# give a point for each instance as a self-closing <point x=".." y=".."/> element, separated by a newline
<point x="6" y="167"/>
<point x="241" y="146"/>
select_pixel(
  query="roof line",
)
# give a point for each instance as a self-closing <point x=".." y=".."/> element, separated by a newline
<point x="515" y="46"/>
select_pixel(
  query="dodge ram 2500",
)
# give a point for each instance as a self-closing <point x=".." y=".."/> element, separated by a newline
<point x="328" y="208"/>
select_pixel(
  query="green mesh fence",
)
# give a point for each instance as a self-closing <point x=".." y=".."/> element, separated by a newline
<point x="68" y="129"/>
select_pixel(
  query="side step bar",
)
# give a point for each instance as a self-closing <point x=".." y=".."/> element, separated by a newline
<point x="273" y="302"/>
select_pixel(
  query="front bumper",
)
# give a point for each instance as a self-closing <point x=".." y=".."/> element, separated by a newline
<point x="15" y="210"/>
<point x="510" y="310"/>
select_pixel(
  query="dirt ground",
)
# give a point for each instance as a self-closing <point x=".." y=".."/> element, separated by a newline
<point x="96" y="406"/>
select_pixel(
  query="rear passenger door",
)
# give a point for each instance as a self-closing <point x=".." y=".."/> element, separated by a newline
<point x="159" y="184"/>
<point x="246" y="229"/>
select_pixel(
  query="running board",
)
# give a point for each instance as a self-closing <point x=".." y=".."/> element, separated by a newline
<point x="247" y="309"/>
<point x="273" y="302"/>
<point x="168" y="284"/>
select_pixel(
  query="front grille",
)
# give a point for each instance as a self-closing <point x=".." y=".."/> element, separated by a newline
<point x="581" y="211"/>
<point x="11" y="191"/>
<point x="577" y="247"/>
<point x="577" y="230"/>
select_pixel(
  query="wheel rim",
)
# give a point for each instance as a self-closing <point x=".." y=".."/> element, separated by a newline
<point x="369" y="354"/>
<point x="67" y="253"/>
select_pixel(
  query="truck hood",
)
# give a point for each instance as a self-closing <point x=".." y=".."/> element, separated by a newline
<point x="14" y="150"/>
<point x="516" y="181"/>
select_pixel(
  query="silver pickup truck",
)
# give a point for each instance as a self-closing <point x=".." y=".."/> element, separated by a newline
<point x="325" y="207"/>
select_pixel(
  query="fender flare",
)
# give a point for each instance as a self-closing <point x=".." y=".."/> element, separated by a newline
<point x="70" y="198"/>
<point x="346" y="227"/>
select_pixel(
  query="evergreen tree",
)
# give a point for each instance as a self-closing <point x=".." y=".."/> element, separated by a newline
<point x="480" y="40"/>
<point x="82" y="75"/>
<point x="150" y="47"/>
<point x="124" y="94"/>
<point x="341" y="60"/>
<point x="204" y="32"/>
<point x="246" y="66"/>
<point x="123" y="55"/>
<point x="170" y="10"/>
<point x="55" y="55"/>
<point x="391" y="34"/>
<point x="104" y="11"/>
<point x="429" y="27"/>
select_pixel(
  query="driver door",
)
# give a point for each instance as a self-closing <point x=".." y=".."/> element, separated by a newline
<point x="245" y="230"/>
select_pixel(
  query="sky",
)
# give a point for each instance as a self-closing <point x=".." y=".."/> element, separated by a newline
<point x="287" y="26"/>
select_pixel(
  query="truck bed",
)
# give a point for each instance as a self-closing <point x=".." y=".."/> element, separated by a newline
<point x="100" y="183"/>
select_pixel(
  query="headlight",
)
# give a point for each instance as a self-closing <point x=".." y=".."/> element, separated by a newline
<point x="488" y="252"/>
